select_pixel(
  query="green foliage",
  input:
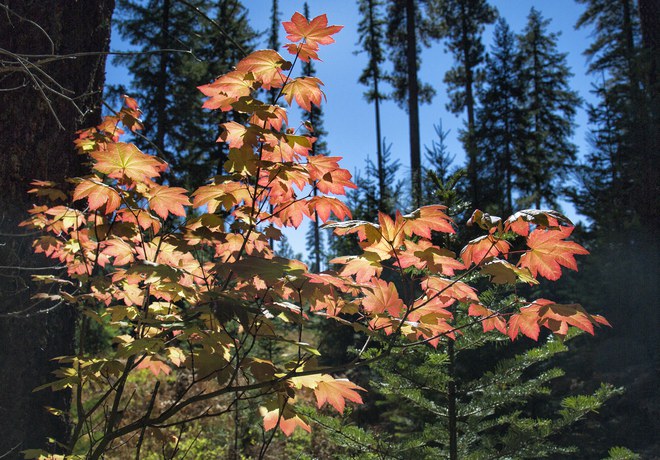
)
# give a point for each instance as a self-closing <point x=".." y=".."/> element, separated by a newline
<point x="210" y="38"/>
<point x="549" y="105"/>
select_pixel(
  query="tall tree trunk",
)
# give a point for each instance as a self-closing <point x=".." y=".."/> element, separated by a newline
<point x="469" y="104"/>
<point x="649" y="14"/>
<point x="34" y="146"/>
<point x="379" y="142"/>
<point x="413" y="104"/>
<point x="161" y="90"/>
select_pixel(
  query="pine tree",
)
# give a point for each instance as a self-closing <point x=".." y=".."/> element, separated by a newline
<point x="372" y="36"/>
<point x="500" y="122"/>
<point x="216" y="36"/>
<point x="463" y="22"/>
<point x="624" y="129"/>
<point x="549" y="106"/>
<point x="407" y="31"/>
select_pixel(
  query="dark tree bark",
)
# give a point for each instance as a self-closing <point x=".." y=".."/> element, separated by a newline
<point x="37" y="143"/>
<point x="413" y="105"/>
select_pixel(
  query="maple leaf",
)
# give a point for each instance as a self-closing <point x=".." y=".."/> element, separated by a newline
<point x="503" y="272"/>
<point x="121" y="160"/>
<point x="380" y="296"/>
<point x="266" y="67"/>
<point x="558" y="317"/>
<point x="424" y="254"/>
<point x="315" y="32"/>
<point x="270" y="116"/>
<point x="480" y="249"/>
<point x="426" y="219"/>
<point x="236" y="135"/>
<point x="120" y="250"/>
<point x="520" y="221"/>
<point x="97" y="194"/>
<point x="288" y="420"/>
<point x="335" y="392"/>
<point x="324" y="205"/>
<point x="226" y="90"/>
<point x="306" y="91"/>
<point x="549" y="252"/>
<point x="449" y="290"/>
<point x="485" y="220"/>
<point x="492" y="320"/>
<point x="47" y="189"/>
<point x="364" y="267"/>
<point x="527" y="322"/>
<point x="303" y="51"/>
<point x="164" y="200"/>
<point x="154" y="366"/>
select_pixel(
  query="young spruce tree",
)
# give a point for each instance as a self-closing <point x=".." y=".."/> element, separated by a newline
<point x="549" y="106"/>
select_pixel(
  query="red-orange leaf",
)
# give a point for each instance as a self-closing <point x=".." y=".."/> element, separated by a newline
<point x="164" y="200"/>
<point x="335" y="392"/>
<point x="97" y="194"/>
<point x="315" y="32"/>
<point x="381" y="296"/>
<point x="266" y="67"/>
<point x="122" y="160"/>
<point x="236" y="135"/>
<point x="226" y="90"/>
<point x="324" y="205"/>
<point x="364" y="267"/>
<point x="549" y="252"/>
<point x="306" y="91"/>
<point x="426" y="219"/>
<point x="288" y="421"/>
<point x="527" y="322"/>
<point x="492" y="320"/>
<point x="482" y="248"/>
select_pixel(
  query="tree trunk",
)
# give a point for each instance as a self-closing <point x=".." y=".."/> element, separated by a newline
<point x="413" y="105"/>
<point x="37" y="143"/>
<point x="469" y="104"/>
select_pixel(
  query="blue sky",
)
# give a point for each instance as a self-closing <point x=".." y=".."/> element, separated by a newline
<point x="349" y="120"/>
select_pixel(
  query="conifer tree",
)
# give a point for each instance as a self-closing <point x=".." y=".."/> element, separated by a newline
<point x="372" y="36"/>
<point x="407" y="31"/>
<point x="549" y="106"/>
<point x="623" y="158"/>
<point x="463" y="24"/>
<point x="500" y="122"/>
<point x="217" y="35"/>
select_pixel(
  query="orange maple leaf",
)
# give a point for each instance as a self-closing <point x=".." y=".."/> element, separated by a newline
<point x="364" y="267"/>
<point x="324" y="205"/>
<point x="266" y="67"/>
<point x="315" y="32"/>
<point x="97" y="194"/>
<point x="236" y="135"/>
<point x="306" y="91"/>
<point x="335" y="392"/>
<point x="226" y="90"/>
<point x="492" y="320"/>
<point x="426" y="219"/>
<point x="155" y="366"/>
<point x="303" y="51"/>
<point x="480" y="249"/>
<point x="288" y="420"/>
<point x="164" y="200"/>
<point x="121" y="160"/>
<point x="381" y="295"/>
<point x="549" y="252"/>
